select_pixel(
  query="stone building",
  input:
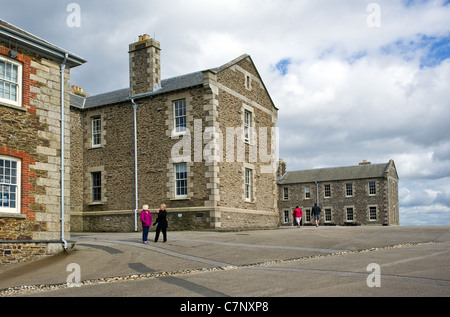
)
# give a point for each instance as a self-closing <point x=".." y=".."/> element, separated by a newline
<point x="34" y="145"/>
<point x="353" y="195"/>
<point x="202" y="143"/>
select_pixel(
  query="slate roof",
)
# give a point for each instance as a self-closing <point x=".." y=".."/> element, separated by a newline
<point x="335" y="173"/>
<point x="167" y="85"/>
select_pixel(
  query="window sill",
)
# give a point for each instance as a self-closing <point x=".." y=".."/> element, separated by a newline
<point x="100" y="203"/>
<point x="20" y="108"/>
<point x="180" y="198"/>
<point x="12" y="215"/>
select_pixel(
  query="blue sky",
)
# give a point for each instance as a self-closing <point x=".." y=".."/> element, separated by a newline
<point x="353" y="80"/>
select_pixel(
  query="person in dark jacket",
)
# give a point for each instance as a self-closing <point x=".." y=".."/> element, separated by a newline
<point x="161" y="223"/>
<point x="316" y="212"/>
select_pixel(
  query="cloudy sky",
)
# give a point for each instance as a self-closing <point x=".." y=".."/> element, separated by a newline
<point x="352" y="79"/>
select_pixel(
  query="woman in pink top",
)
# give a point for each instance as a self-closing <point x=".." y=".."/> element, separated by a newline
<point x="297" y="215"/>
<point x="146" y="219"/>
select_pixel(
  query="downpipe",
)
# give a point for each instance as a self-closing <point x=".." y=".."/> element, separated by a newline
<point x="135" y="106"/>
<point x="62" y="70"/>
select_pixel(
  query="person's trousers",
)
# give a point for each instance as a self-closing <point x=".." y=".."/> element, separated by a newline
<point x="145" y="233"/>
<point x="164" y="232"/>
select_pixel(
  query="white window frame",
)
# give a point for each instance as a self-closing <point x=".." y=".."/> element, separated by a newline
<point x="325" y="191"/>
<point x="4" y="184"/>
<point x="370" y="213"/>
<point x="96" y="189"/>
<point x="286" y="214"/>
<point x="307" y="192"/>
<point x="369" y="189"/>
<point x="347" y="214"/>
<point x="348" y="189"/>
<point x="179" y="180"/>
<point x="177" y="127"/>
<point x="248" y="180"/>
<point x="248" y="118"/>
<point x="328" y="215"/>
<point x="18" y="84"/>
<point x="96" y="128"/>
<point x="285" y="193"/>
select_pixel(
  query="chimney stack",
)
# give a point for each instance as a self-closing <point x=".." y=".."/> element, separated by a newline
<point x="145" y="65"/>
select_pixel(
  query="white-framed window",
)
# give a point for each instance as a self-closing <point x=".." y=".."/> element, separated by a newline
<point x="307" y="215"/>
<point x="307" y="192"/>
<point x="327" y="214"/>
<point x="372" y="188"/>
<point x="372" y="213"/>
<point x="247" y="126"/>
<point x="181" y="180"/>
<point x="285" y="193"/>
<point x="327" y="190"/>
<point x="350" y="216"/>
<point x="286" y="216"/>
<point x="248" y="184"/>
<point x="96" y="186"/>
<point x="349" y="190"/>
<point x="10" y="174"/>
<point x="10" y="82"/>
<point x="179" y="114"/>
<point x="96" y="131"/>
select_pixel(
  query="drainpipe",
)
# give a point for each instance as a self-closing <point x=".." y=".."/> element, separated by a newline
<point x="135" y="106"/>
<point x="317" y="192"/>
<point x="62" y="69"/>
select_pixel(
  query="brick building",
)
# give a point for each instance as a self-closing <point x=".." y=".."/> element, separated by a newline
<point x="353" y="195"/>
<point x="34" y="96"/>
<point x="202" y="143"/>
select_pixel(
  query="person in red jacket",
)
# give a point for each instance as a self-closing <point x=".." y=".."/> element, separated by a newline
<point x="146" y="219"/>
<point x="297" y="215"/>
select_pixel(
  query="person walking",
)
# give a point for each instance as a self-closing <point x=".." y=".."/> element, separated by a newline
<point x="316" y="212"/>
<point x="297" y="216"/>
<point x="161" y="223"/>
<point x="146" y="219"/>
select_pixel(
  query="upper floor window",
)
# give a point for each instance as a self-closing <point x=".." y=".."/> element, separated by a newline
<point x="179" y="108"/>
<point x="96" y="131"/>
<point x="10" y="170"/>
<point x="372" y="188"/>
<point x="247" y="126"/>
<point x="285" y="193"/>
<point x="10" y="82"/>
<point x="349" y="189"/>
<point x="307" y="192"/>
<point x="327" y="190"/>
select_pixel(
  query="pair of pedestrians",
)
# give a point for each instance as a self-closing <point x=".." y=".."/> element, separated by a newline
<point x="160" y="223"/>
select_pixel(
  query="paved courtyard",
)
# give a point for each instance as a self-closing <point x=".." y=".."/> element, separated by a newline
<point x="280" y="263"/>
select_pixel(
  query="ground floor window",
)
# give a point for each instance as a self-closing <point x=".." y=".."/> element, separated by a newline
<point x="350" y="214"/>
<point x="10" y="169"/>
<point x="372" y="213"/>
<point x="327" y="215"/>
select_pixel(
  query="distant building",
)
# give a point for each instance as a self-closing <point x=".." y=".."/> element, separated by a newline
<point x="355" y="195"/>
